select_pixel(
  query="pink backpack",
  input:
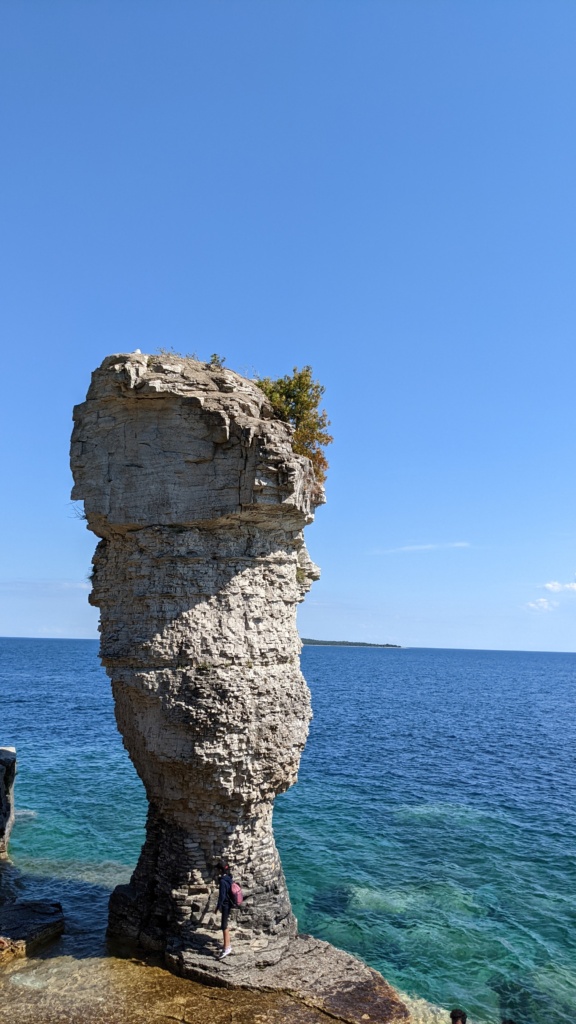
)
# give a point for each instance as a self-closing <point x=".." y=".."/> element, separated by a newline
<point x="236" y="894"/>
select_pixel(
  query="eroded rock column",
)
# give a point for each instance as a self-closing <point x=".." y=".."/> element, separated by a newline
<point x="200" y="503"/>
<point x="7" y="776"/>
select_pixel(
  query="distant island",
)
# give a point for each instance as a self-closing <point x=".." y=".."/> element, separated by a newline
<point x="342" y="643"/>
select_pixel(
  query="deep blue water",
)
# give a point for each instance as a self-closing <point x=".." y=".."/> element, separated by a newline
<point x="432" y="831"/>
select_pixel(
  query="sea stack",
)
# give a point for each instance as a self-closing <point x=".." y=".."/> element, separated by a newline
<point x="7" y="776"/>
<point x="200" y="503"/>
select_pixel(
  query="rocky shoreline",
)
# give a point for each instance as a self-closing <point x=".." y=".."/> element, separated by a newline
<point x="42" y="981"/>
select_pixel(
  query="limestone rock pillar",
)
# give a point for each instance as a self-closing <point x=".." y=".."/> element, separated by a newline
<point x="7" y="776"/>
<point x="199" y="502"/>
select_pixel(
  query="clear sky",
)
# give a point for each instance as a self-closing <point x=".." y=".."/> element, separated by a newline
<point x="384" y="189"/>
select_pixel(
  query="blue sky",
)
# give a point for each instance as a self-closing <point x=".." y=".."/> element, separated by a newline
<point x="381" y="188"/>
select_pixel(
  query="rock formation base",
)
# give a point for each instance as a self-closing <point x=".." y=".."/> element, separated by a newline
<point x="313" y="972"/>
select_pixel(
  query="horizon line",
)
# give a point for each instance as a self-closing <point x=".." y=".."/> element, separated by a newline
<point x="327" y="643"/>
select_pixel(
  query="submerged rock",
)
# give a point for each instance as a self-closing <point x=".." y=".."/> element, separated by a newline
<point x="27" y="924"/>
<point x="7" y="776"/>
<point x="200" y="503"/>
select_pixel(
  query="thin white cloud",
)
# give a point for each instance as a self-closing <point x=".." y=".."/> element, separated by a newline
<point x="425" y="547"/>
<point x="41" y="586"/>
<point x="542" y="604"/>
<point x="557" y="587"/>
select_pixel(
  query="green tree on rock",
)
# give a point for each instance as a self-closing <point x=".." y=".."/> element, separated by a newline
<point x="296" y="400"/>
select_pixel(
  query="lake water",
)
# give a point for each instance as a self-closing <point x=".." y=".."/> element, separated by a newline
<point x="432" y="831"/>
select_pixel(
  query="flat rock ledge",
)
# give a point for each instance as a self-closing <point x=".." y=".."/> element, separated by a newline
<point x="315" y="973"/>
<point x="27" y="924"/>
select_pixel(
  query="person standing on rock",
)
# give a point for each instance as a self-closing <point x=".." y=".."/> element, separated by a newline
<point x="225" y="905"/>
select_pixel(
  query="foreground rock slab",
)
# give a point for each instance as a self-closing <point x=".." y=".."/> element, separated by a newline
<point x="7" y="776"/>
<point x="314" y="972"/>
<point x="108" y="990"/>
<point x="27" y="924"/>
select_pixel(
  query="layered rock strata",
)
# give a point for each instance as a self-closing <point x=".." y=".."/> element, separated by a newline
<point x="200" y="502"/>
<point x="7" y="776"/>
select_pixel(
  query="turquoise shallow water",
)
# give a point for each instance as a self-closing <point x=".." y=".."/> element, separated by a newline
<point x="432" y="831"/>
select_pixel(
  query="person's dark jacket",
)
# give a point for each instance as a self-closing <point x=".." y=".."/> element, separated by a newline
<point x="224" y="893"/>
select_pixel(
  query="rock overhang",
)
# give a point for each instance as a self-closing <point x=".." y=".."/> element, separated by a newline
<point x="182" y="443"/>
